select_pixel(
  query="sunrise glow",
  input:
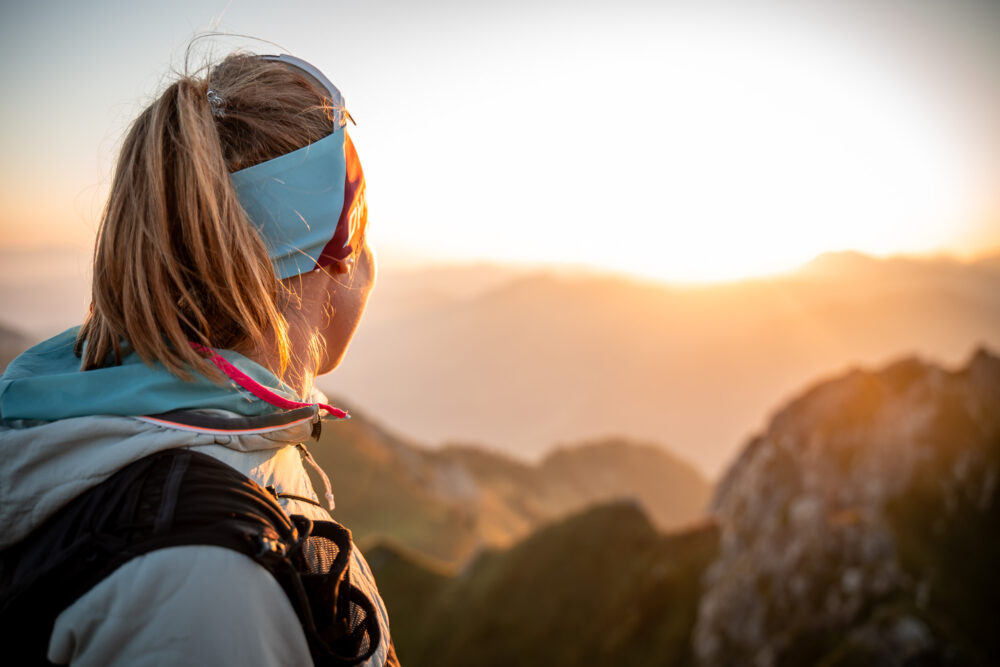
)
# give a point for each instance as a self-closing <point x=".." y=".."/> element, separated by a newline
<point x="729" y="148"/>
<point x="692" y="143"/>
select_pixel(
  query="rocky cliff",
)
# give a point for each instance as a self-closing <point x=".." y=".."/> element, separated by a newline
<point x="861" y="527"/>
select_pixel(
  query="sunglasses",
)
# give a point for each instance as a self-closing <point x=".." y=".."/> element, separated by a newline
<point x="337" y="109"/>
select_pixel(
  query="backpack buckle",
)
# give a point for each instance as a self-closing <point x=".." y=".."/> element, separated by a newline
<point x="270" y="547"/>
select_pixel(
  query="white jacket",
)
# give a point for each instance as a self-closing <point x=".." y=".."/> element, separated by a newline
<point x="191" y="605"/>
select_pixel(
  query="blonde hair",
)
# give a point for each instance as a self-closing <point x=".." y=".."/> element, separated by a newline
<point x="176" y="260"/>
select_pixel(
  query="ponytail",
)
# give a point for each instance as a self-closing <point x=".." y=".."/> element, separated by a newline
<point x="176" y="260"/>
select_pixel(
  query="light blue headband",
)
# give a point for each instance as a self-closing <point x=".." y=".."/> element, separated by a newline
<point x="296" y="200"/>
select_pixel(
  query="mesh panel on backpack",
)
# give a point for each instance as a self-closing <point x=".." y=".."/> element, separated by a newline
<point x="320" y="553"/>
<point x="344" y="617"/>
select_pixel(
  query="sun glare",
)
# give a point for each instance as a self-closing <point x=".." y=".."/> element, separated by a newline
<point x="687" y="142"/>
<point x="709" y="148"/>
<point x="774" y="155"/>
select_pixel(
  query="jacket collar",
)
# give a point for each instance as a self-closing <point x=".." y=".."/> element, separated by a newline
<point x="46" y="383"/>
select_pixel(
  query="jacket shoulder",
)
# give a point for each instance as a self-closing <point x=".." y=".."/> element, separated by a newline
<point x="196" y="605"/>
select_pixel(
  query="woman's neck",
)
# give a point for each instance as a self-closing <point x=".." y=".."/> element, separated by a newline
<point x="303" y="359"/>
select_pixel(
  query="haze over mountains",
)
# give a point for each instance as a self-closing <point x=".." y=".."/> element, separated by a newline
<point x="522" y="360"/>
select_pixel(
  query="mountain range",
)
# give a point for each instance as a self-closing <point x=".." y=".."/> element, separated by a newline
<point x="524" y="361"/>
<point x="859" y="528"/>
<point x="450" y="504"/>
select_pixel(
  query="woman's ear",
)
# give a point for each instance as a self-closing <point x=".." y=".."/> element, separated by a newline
<point x="346" y="297"/>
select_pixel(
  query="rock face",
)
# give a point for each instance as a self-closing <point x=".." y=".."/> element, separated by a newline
<point x="860" y="528"/>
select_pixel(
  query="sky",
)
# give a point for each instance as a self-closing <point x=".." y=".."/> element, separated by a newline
<point x="683" y="141"/>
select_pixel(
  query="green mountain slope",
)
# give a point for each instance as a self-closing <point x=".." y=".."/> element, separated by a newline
<point x="603" y="587"/>
<point x="451" y="503"/>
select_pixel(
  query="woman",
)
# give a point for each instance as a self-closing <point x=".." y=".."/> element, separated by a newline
<point x="231" y="268"/>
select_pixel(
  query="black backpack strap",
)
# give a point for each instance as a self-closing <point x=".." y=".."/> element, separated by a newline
<point x="175" y="498"/>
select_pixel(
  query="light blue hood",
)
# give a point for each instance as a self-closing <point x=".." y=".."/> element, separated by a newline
<point x="46" y="383"/>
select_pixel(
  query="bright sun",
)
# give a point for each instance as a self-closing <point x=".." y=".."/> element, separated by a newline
<point x="769" y="156"/>
<point x="702" y="149"/>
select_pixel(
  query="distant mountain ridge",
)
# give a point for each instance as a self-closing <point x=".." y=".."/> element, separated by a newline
<point x="522" y="361"/>
<point x="452" y="503"/>
<point x="526" y="361"/>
